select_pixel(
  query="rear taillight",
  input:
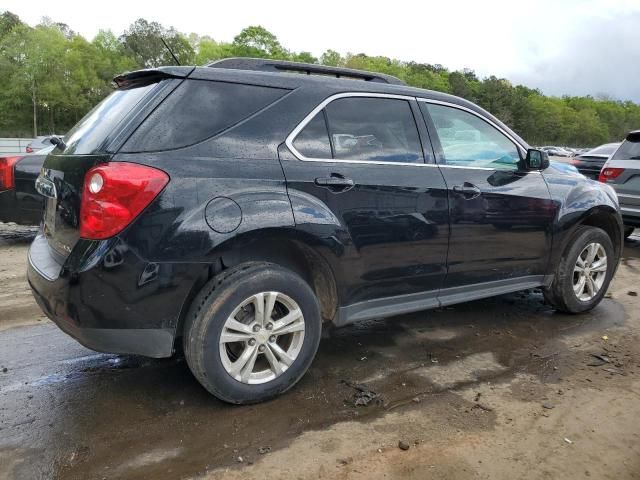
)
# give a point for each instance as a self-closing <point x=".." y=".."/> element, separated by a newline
<point x="29" y="149"/>
<point x="609" y="173"/>
<point x="7" y="178"/>
<point x="114" y="194"/>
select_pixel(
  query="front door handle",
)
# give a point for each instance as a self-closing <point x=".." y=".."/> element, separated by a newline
<point x="335" y="183"/>
<point x="467" y="190"/>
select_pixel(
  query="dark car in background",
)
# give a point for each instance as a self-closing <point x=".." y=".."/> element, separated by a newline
<point x="590" y="163"/>
<point x="234" y="208"/>
<point x="622" y="172"/>
<point x="19" y="200"/>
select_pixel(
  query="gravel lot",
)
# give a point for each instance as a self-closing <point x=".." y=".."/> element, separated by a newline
<point x="502" y="388"/>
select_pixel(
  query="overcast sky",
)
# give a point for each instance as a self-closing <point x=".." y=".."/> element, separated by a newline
<point x="575" y="47"/>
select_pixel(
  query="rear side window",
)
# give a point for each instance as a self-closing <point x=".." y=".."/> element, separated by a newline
<point x="198" y="110"/>
<point x="313" y="140"/>
<point x="373" y="129"/>
<point x="629" y="150"/>
<point x="89" y="134"/>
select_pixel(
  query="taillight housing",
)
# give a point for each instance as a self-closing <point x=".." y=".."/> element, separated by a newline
<point x="114" y="194"/>
<point x="609" y="173"/>
<point x="29" y="149"/>
<point x="7" y="177"/>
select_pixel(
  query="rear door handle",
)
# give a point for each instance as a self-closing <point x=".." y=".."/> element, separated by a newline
<point x="335" y="183"/>
<point x="467" y="190"/>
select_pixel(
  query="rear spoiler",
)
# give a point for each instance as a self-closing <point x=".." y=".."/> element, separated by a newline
<point x="150" y="75"/>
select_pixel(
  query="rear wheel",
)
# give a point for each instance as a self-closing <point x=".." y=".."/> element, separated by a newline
<point x="252" y="332"/>
<point x="584" y="272"/>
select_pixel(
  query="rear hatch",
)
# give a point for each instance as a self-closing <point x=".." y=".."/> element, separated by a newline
<point x="623" y="172"/>
<point x="92" y="141"/>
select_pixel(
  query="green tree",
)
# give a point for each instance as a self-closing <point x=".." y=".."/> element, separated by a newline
<point x="331" y="58"/>
<point x="8" y="21"/>
<point x="51" y="76"/>
<point x="143" y="42"/>
<point x="257" y="41"/>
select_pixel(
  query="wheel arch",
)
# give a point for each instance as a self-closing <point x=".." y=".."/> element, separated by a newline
<point x="602" y="216"/>
<point x="287" y="247"/>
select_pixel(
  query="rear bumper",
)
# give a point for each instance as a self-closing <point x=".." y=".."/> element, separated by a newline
<point x="103" y="310"/>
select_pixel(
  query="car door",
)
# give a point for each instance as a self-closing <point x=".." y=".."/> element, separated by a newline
<point x="357" y="178"/>
<point x="501" y="215"/>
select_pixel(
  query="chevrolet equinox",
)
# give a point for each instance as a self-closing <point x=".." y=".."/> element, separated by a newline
<point x="236" y="207"/>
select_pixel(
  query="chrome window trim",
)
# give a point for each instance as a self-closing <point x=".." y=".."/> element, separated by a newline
<point x="294" y="133"/>
<point x="292" y="136"/>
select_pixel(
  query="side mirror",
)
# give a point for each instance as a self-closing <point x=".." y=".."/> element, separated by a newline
<point x="536" y="159"/>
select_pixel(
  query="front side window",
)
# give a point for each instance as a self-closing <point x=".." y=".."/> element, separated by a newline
<point x="469" y="141"/>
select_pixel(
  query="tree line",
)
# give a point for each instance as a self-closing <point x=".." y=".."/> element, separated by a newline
<point x="51" y="76"/>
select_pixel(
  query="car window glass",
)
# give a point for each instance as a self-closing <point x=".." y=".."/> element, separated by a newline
<point x="313" y="140"/>
<point x="198" y="110"/>
<point x="469" y="141"/>
<point x="89" y="134"/>
<point x="628" y="151"/>
<point x="374" y="129"/>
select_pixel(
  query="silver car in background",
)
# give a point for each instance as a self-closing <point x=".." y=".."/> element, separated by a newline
<point x="622" y="172"/>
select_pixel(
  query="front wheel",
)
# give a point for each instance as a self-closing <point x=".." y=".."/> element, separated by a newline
<point x="252" y="332"/>
<point x="584" y="272"/>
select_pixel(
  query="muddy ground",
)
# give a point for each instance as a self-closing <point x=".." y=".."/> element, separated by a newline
<point x="502" y="388"/>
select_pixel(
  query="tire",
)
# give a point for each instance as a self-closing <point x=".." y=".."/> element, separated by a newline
<point x="628" y="231"/>
<point x="561" y="294"/>
<point x="213" y="363"/>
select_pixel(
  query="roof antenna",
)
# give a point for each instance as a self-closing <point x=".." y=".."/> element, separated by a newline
<point x="167" y="46"/>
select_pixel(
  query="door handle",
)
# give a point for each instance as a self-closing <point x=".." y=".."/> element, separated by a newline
<point x="467" y="190"/>
<point x="335" y="183"/>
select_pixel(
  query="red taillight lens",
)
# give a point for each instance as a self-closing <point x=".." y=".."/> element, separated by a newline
<point x="609" y="173"/>
<point x="114" y="194"/>
<point x="29" y="149"/>
<point x="7" y="179"/>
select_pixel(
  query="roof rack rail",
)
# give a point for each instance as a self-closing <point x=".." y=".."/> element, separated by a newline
<point x="268" y="65"/>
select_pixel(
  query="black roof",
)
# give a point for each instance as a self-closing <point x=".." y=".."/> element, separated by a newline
<point x="283" y="66"/>
<point x="286" y="78"/>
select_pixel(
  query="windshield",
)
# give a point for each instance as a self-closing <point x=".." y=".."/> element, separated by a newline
<point x="89" y="134"/>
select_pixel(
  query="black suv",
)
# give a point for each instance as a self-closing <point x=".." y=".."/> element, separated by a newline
<point x="236" y="207"/>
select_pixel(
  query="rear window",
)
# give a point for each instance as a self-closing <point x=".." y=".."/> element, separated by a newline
<point x="197" y="110"/>
<point x="90" y="133"/>
<point x="628" y="150"/>
<point x="603" y="150"/>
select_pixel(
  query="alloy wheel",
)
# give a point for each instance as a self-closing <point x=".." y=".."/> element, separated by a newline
<point x="262" y="338"/>
<point x="589" y="272"/>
